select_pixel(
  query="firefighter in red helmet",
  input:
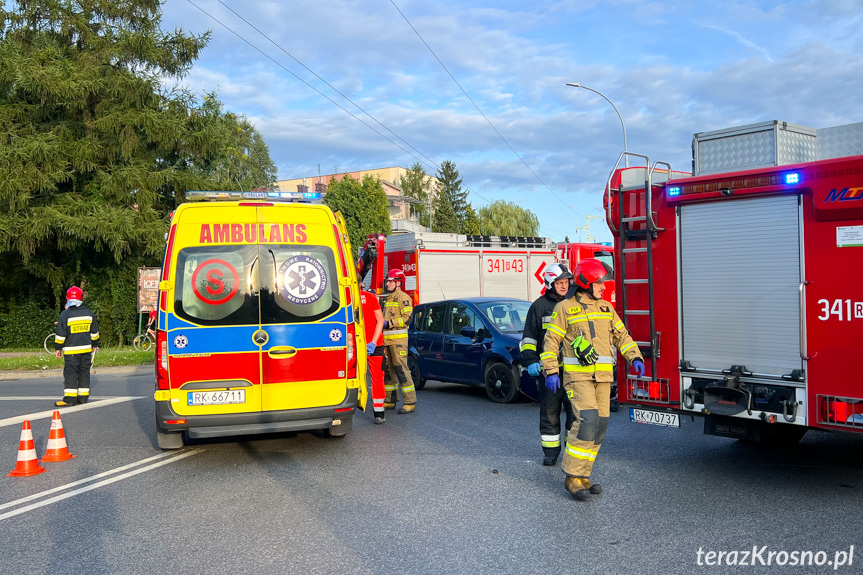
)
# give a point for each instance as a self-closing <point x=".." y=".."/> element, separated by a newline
<point x="590" y="330"/>
<point x="398" y="308"/>
<point x="76" y="338"/>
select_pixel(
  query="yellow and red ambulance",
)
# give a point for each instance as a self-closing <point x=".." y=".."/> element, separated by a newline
<point x="259" y="327"/>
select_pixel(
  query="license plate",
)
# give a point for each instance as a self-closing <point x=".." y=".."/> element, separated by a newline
<point x="217" y="397"/>
<point x="662" y="418"/>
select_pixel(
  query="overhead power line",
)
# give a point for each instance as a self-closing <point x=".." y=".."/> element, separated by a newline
<point x="517" y="155"/>
<point x="429" y="162"/>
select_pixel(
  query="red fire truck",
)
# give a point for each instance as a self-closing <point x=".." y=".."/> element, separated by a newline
<point x="571" y="253"/>
<point x="742" y="283"/>
<point x="441" y="266"/>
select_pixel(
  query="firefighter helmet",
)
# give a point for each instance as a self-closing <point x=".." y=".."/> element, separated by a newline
<point x="74" y="292"/>
<point x="588" y="271"/>
<point x="553" y="273"/>
<point x="396" y="275"/>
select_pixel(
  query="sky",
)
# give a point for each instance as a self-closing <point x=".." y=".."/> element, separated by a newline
<point x="346" y="85"/>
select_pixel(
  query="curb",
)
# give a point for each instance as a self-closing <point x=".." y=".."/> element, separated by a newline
<point x="115" y="370"/>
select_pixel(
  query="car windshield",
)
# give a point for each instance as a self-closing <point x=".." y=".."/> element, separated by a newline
<point x="506" y="316"/>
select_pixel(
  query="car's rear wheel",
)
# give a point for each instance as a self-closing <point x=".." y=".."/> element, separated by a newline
<point x="414" y="367"/>
<point x="501" y="382"/>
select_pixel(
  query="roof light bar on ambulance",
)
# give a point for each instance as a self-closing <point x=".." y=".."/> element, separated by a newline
<point x="270" y="195"/>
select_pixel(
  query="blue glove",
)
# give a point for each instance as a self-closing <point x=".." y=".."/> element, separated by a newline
<point x="638" y="366"/>
<point x="370" y="347"/>
<point x="534" y="369"/>
<point x="552" y="382"/>
<point x="386" y="325"/>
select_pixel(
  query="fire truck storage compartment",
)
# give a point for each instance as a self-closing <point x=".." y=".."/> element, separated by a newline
<point x="448" y="275"/>
<point x="740" y="276"/>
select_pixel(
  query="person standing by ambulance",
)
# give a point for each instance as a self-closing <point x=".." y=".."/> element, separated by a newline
<point x="373" y="320"/>
<point x="556" y="279"/>
<point x="398" y="308"/>
<point x="76" y="338"/>
<point x="590" y="330"/>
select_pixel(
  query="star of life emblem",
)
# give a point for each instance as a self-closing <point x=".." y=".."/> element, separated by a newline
<point x="335" y="335"/>
<point x="302" y="280"/>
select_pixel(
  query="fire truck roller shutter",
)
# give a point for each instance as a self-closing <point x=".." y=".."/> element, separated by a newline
<point x="740" y="262"/>
<point x="448" y="275"/>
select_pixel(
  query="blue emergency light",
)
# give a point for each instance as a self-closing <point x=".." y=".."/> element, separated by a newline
<point x="792" y="178"/>
<point x="674" y="191"/>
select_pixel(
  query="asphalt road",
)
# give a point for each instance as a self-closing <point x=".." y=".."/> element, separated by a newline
<point x="455" y="488"/>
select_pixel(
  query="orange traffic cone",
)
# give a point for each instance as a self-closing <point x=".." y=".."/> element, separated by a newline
<point x="27" y="463"/>
<point x="57" y="450"/>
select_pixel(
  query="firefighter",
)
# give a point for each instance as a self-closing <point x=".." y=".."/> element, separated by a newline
<point x="589" y="329"/>
<point x="398" y="307"/>
<point x="556" y="279"/>
<point x="373" y="320"/>
<point x="77" y="337"/>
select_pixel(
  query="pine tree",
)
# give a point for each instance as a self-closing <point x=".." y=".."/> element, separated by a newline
<point x="445" y="219"/>
<point x="450" y="186"/>
<point x="94" y="152"/>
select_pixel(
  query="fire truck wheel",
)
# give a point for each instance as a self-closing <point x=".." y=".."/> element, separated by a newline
<point x="501" y="382"/>
<point x="419" y="382"/>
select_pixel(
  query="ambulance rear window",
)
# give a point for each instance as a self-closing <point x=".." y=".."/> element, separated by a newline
<point x="215" y="285"/>
<point x="299" y="283"/>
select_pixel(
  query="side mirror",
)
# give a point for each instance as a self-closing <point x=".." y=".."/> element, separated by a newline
<point x="468" y="331"/>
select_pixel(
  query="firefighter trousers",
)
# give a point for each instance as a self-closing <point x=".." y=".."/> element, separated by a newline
<point x="590" y="405"/>
<point x="550" y="405"/>
<point x="376" y="377"/>
<point x="398" y="374"/>
<point x="76" y="377"/>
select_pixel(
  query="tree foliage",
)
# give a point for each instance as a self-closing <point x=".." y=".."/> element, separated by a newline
<point x="363" y="204"/>
<point x="502" y="218"/>
<point x="417" y="184"/>
<point x="94" y="151"/>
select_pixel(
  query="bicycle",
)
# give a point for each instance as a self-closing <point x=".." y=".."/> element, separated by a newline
<point x="144" y="341"/>
<point x="48" y="344"/>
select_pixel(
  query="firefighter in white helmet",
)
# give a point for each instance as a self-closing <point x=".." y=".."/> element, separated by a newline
<point x="398" y="307"/>
<point x="556" y="279"/>
<point x="590" y="330"/>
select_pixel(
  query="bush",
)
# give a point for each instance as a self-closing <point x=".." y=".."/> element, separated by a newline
<point x="25" y="324"/>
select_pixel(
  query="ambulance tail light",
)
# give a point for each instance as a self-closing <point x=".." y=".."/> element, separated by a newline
<point x="162" y="360"/>
<point x="844" y="411"/>
<point x="352" y="351"/>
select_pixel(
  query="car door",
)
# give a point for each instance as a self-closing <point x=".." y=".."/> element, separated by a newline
<point x="429" y="339"/>
<point x="463" y="354"/>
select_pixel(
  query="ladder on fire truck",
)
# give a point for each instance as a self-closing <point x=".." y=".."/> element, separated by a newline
<point x="641" y="239"/>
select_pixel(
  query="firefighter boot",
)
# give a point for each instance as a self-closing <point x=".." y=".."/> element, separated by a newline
<point x="389" y="405"/>
<point x="577" y="487"/>
<point x="548" y="460"/>
<point x="379" y="418"/>
<point x="408" y="408"/>
<point x="595" y="488"/>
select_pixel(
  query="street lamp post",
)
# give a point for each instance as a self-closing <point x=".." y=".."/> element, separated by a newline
<point x="625" y="149"/>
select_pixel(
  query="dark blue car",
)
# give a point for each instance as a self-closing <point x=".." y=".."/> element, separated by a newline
<point x="473" y="341"/>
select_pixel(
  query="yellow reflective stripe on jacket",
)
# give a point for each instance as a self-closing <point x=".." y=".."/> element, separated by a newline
<point x="618" y="326"/>
<point x="77" y="349"/>
<point x="392" y="304"/>
<point x="550" y="440"/>
<point x="407" y="310"/>
<point x="575" y="319"/>
<point x="599" y="316"/>
<point x="546" y="354"/>
<point x="627" y="347"/>
<point x="588" y="368"/>
<point x="557" y="330"/>
<point x="59" y="339"/>
<point x="527" y="343"/>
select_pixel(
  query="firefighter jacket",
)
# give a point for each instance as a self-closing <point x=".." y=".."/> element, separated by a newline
<point x="398" y="308"/>
<point x="596" y="322"/>
<point x="77" y="331"/>
<point x="538" y="318"/>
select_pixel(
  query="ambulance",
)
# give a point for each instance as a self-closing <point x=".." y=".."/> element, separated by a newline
<point x="259" y="320"/>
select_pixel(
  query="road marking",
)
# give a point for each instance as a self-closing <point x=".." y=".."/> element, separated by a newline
<point x="18" y="419"/>
<point x="166" y="458"/>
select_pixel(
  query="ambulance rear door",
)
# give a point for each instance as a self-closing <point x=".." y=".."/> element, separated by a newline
<point x="303" y="324"/>
<point x="213" y="359"/>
